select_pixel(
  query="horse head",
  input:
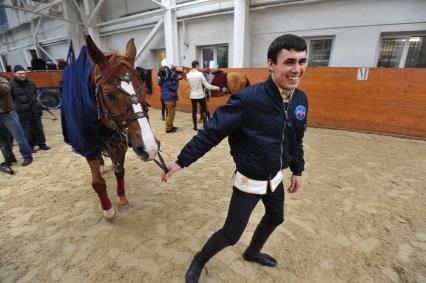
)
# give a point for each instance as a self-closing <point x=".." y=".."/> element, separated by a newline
<point x="120" y="96"/>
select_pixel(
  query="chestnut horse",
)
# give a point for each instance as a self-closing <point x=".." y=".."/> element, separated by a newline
<point x="118" y="94"/>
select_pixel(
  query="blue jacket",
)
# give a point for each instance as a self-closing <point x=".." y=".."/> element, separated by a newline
<point x="169" y="89"/>
<point x="262" y="141"/>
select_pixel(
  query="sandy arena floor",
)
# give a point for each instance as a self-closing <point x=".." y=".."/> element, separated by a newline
<point x="360" y="217"/>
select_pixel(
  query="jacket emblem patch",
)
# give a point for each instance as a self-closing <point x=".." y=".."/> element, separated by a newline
<point x="300" y="112"/>
<point x="244" y="181"/>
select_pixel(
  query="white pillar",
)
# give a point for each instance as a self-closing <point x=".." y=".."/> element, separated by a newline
<point x="75" y="31"/>
<point x="2" y="64"/>
<point x="89" y="8"/>
<point x="239" y="51"/>
<point x="170" y="32"/>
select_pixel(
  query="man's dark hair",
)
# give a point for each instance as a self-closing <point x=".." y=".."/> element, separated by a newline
<point x="286" y="41"/>
<point x="194" y="63"/>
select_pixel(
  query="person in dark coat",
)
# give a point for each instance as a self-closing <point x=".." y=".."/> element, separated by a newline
<point x="24" y="93"/>
<point x="265" y="124"/>
<point x="38" y="63"/>
<point x="11" y="126"/>
<point x="169" y="83"/>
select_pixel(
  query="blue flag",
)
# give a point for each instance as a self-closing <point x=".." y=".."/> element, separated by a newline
<point x="70" y="56"/>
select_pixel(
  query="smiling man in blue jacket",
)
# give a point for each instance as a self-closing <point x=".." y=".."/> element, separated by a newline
<point x="265" y="125"/>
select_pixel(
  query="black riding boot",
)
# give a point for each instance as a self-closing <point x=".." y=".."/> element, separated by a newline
<point x="194" y="120"/>
<point x="262" y="233"/>
<point x="214" y="244"/>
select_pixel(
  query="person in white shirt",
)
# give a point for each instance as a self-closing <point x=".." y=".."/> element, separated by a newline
<point x="196" y="81"/>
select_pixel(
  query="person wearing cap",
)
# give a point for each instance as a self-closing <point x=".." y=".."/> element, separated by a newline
<point x="11" y="126"/>
<point x="265" y="124"/>
<point x="196" y="82"/>
<point x="168" y="81"/>
<point x="24" y="93"/>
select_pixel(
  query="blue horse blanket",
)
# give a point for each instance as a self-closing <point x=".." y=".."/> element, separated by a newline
<point x="81" y="127"/>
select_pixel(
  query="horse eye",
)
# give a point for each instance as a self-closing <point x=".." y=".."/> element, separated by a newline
<point x="111" y="96"/>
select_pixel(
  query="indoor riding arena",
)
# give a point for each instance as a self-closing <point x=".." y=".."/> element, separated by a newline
<point x="360" y="215"/>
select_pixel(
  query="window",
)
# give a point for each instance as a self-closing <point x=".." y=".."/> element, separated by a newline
<point x="319" y="51"/>
<point x="416" y="57"/>
<point x="390" y="52"/>
<point x="401" y="51"/>
<point x="214" y="56"/>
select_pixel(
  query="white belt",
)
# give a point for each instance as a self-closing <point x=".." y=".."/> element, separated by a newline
<point x="251" y="186"/>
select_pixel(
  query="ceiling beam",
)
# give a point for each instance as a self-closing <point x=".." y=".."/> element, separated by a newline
<point x="38" y="13"/>
<point x="47" y="6"/>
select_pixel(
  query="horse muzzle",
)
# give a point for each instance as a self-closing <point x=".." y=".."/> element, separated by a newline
<point x="144" y="153"/>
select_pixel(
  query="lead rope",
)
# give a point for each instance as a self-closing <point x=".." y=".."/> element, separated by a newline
<point x="161" y="163"/>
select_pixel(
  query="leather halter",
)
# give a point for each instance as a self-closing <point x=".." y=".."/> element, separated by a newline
<point x="119" y="126"/>
<point x="133" y="98"/>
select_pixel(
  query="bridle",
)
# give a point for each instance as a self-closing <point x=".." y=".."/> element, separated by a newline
<point x="133" y="98"/>
<point x="119" y="126"/>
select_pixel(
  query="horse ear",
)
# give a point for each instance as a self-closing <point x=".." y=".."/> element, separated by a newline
<point x="131" y="50"/>
<point x="95" y="54"/>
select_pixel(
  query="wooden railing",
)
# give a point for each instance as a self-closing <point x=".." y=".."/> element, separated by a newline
<point x="390" y="101"/>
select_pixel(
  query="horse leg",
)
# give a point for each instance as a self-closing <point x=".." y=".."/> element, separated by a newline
<point x="119" y="171"/>
<point x="102" y="163"/>
<point x="99" y="186"/>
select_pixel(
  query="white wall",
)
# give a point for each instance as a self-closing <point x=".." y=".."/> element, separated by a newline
<point x="146" y="59"/>
<point x="355" y="25"/>
<point x="206" y="31"/>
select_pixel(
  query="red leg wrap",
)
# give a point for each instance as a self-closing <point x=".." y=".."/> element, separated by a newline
<point x="105" y="202"/>
<point x="120" y="187"/>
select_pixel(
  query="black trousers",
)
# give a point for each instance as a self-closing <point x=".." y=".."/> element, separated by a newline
<point x="203" y="105"/>
<point x="34" y="132"/>
<point x="240" y="209"/>
<point x="163" y="109"/>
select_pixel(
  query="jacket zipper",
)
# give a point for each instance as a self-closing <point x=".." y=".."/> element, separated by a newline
<point x="282" y="138"/>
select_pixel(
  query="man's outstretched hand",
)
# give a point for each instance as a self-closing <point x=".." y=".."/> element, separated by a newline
<point x="173" y="168"/>
<point x="295" y="184"/>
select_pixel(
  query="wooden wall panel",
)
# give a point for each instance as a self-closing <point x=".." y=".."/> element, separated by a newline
<point x="42" y="78"/>
<point x="391" y="101"/>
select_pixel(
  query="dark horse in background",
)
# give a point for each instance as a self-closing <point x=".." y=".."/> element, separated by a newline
<point x="104" y="111"/>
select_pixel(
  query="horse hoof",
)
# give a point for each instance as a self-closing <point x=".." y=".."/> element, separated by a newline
<point x="124" y="207"/>
<point x="110" y="213"/>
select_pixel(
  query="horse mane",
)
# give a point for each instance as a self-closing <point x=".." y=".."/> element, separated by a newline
<point x="116" y="60"/>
